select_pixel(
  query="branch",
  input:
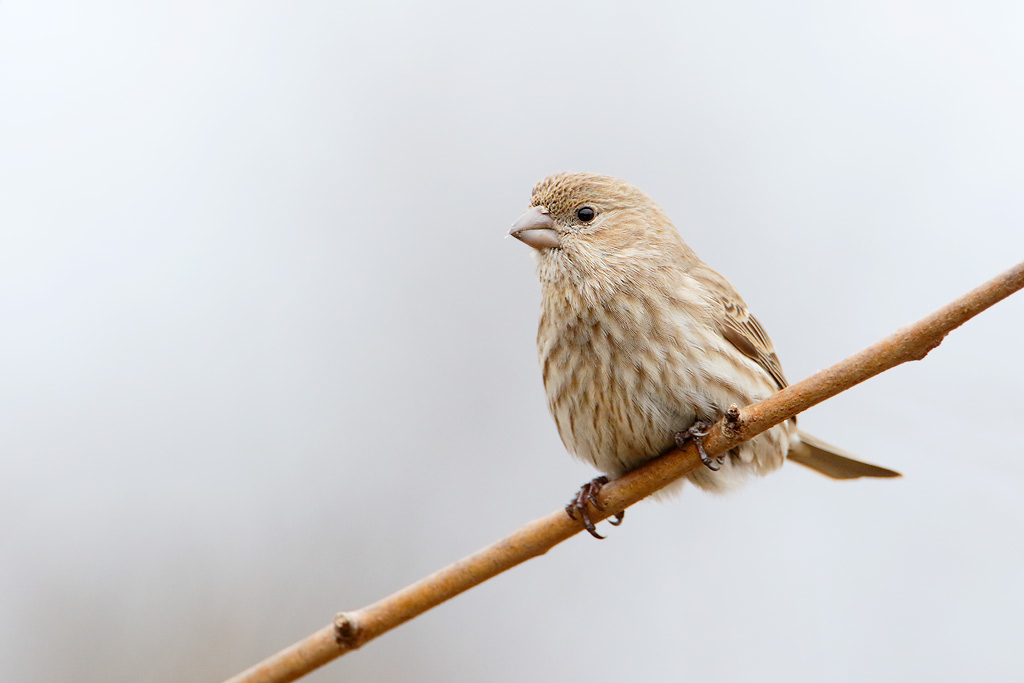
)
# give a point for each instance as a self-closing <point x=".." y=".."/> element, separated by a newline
<point x="350" y="630"/>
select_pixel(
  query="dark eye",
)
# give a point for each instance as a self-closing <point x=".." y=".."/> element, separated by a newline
<point x="586" y="214"/>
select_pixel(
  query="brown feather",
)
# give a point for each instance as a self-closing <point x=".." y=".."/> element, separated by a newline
<point x="737" y="325"/>
<point x="833" y="462"/>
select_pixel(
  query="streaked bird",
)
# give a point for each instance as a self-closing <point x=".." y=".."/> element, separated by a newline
<point x="642" y="345"/>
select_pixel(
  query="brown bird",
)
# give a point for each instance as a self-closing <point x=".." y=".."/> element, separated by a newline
<point x="642" y="345"/>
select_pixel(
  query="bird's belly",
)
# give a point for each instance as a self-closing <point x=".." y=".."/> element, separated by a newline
<point x="617" y="408"/>
<point x="612" y="426"/>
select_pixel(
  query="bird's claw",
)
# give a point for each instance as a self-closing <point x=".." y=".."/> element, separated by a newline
<point x="696" y="433"/>
<point x="587" y="495"/>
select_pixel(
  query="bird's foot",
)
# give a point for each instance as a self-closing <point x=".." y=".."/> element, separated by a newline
<point x="587" y="495"/>
<point x="696" y="433"/>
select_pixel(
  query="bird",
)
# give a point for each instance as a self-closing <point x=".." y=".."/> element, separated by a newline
<point x="642" y="346"/>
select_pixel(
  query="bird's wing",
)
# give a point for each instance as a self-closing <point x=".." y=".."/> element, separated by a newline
<point x="737" y="325"/>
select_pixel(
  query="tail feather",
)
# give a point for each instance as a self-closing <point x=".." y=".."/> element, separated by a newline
<point x="831" y="461"/>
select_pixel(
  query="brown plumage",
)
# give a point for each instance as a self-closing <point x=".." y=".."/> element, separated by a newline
<point x="639" y="338"/>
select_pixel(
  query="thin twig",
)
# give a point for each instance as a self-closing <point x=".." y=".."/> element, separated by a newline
<point x="350" y="630"/>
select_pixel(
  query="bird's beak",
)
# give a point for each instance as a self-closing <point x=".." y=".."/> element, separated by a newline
<point x="536" y="228"/>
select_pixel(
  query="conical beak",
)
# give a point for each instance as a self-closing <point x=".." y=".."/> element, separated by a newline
<point x="536" y="228"/>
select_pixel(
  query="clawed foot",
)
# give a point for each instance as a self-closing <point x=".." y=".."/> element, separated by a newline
<point x="587" y="495"/>
<point x="696" y="433"/>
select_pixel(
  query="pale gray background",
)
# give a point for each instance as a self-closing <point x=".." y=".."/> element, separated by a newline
<point x="266" y="353"/>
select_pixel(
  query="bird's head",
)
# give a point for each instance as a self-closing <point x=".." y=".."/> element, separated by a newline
<point x="595" y="226"/>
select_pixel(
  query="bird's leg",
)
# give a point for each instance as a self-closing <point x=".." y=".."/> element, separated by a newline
<point x="587" y="495"/>
<point x="696" y="433"/>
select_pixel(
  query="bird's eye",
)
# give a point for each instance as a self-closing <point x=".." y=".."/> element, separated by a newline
<point x="585" y="214"/>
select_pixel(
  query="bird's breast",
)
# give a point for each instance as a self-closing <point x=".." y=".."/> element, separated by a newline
<point x="620" y="379"/>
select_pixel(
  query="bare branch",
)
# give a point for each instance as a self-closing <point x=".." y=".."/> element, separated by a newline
<point x="350" y="630"/>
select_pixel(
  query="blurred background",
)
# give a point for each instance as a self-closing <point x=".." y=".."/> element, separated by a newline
<point x="266" y="353"/>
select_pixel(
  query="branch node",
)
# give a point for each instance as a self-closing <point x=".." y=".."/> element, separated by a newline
<point x="931" y="346"/>
<point x="733" y="422"/>
<point x="346" y="632"/>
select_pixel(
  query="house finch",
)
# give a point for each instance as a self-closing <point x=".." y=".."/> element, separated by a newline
<point x="642" y="345"/>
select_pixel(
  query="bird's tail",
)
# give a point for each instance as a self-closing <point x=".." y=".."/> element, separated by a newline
<point x="831" y="461"/>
